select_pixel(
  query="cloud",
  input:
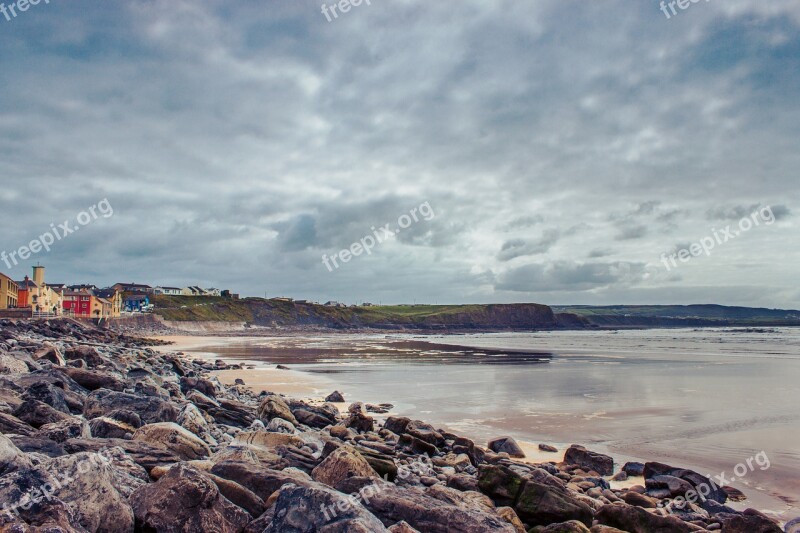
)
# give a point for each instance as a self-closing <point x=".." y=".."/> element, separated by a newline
<point x="570" y="276"/>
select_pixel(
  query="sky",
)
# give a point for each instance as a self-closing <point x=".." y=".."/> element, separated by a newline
<point x="551" y="151"/>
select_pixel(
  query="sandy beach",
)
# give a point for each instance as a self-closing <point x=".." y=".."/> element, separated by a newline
<point x="772" y="490"/>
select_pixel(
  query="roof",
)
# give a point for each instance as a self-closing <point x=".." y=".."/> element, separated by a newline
<point x="106" y="293"/>
<point x="27" y="284"/>
<point x="134" y="285"/>
<point x="136" y="297"/>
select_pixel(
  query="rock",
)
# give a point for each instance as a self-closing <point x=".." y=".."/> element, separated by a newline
<point x="319" y="508"/>
<point x="509" y="515"/>
<point x="38" y="445"/>
<point x="653" y="470"/>
<point x="11" y="365"/>
<point x="397" y="424"/>
<point x="273" y="406"/>
<point x="64" y="430"/>
<point x="573" y="526"/>
<point x="392" y="504"/>
<point x="500" y="483"/>
<point x="87" y="482"/>
<point x="540" y="504"/>
<point x="620" y="476"/>
<point x="665" y="486"/>
<point x="380" y="408"/>
<point x="238" y="495"/>
<point x="750" y="521"/>
<point x="548" y="448"/>
<point x="507" y="445"/>
<point x="203" y="386"/>
<point x="636" y="520"/>
<point x="343" y="463"/>
<point x="279" y="425"/>
<point x="37" y="413"/>
<point x="50" y="353"/>
<point x="10" y="424"/>
<point x="578" y="455"/>
<point x="313" y="416"/>
<point x="94" y="379"/>
<point x="11" y="457"/>
<point x="734" y="494"/>
<point x="144" y="454"/>
<point x="232" y="413"/>
<point x="127" y="417"/>
<point x="150" y="409"/>
<point x="86" y="353"/>
<point x="633" y="469"/>
<point x="184" y="499"/>
<point x="402" y="527"/>
<point x="360" y="422"/>
<point x="191" y="419"/>
<point x="424" y="432"/>
<point x="175" y="438"/>
<point x="640" y="500"/>
<point x="48" y="393"/>
<point x="107" y="428"/>
<point x="792" y="526"/>
<point x="335" y="397"/>
<point x="262" y="481"/>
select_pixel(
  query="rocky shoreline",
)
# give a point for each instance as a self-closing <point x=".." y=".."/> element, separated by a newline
<point x="101" y="433"/>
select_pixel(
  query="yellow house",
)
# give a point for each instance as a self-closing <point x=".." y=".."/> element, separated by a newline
<point x="38" y="296"/>
<point x="114" y="298"/>
<point x="8" y="292"/>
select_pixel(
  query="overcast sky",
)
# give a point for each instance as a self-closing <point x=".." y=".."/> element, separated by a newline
<point x="563" y="147"/>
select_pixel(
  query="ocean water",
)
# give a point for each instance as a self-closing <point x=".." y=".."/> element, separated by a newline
<point x="707" y="399"/>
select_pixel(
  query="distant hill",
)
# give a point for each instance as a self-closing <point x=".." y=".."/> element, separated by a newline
<point x="700" y="315"/>
<point x="471" y="317"/>
<point x="279" y="312"/>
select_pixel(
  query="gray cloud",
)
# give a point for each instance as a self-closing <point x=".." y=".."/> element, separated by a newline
<point x="238" y="143"/>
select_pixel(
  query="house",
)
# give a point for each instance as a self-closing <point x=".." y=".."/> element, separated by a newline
<point x="78" y="303"/>
<point x="193" y="291"/>
<point x="9" y="292"/>
<point x="168" y="291"/>
<point x="212" y="292"/>
<point x="83" y="287"/>
<point x="334" y="304"/>
<point x="37" y="295"/>
<point x="133" y="287"/>
<point x="230" y="295"/>
<point x="114" y="297"/>
<point x="136" y="303"/>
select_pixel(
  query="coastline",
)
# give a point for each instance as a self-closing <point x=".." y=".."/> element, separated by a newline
<point x="260" y="375"/>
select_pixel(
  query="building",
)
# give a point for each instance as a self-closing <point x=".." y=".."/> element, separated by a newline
<point x="212" y="292"/>
<point x="230" y="295"/>
<point x="133" y="287"/>
<point x="78" y="303"/>
<point x="37" y="295"/>
<point x="168" y="291"/>
<point x="9" y="292"/>
<point x="334" y="304"/>
<point x="114" y="297"/>
<point x="136" y="303"/>
<point x="194" y="291"/>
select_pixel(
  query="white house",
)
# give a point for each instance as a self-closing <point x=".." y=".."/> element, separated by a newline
<point x="169" y="291"/>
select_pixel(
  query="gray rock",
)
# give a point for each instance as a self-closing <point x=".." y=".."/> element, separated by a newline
<point x="507" y="445"/>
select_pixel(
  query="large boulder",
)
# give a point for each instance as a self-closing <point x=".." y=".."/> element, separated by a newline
<point x="147" y="455"/>
<point x="10" y="424"/>
<point x="588" y="460"/>
<point x="183" y="500"/>
<point x="319" y="508"/>
<point x="11" y="457"/>
<point x="37" y="413"/>
<point x="260" y="480"/>
<point x="89" y="354"/>
<point x="150" y="409"/>
<point x="193" y="420"/>
<point x="104" y="427"/>
<point x="273" y="406"/>
<point x="543" y="504"/>
<point x="342" y="463"/>
<point x="750" y="521"/>
<point x="637" y="520"/>
<point x="507" y="445"/>
<point x="87" y="482"/>
<point x="658" y="477"/>
<point x="175" y="438"/>
<point x="427" y="513"/>
<point x="64" y="430"/>
<point x="12" y="365"/>
<point x="94" y="379"/>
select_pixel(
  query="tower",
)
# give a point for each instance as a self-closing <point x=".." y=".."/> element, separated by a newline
<point x="38" y="275"/>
